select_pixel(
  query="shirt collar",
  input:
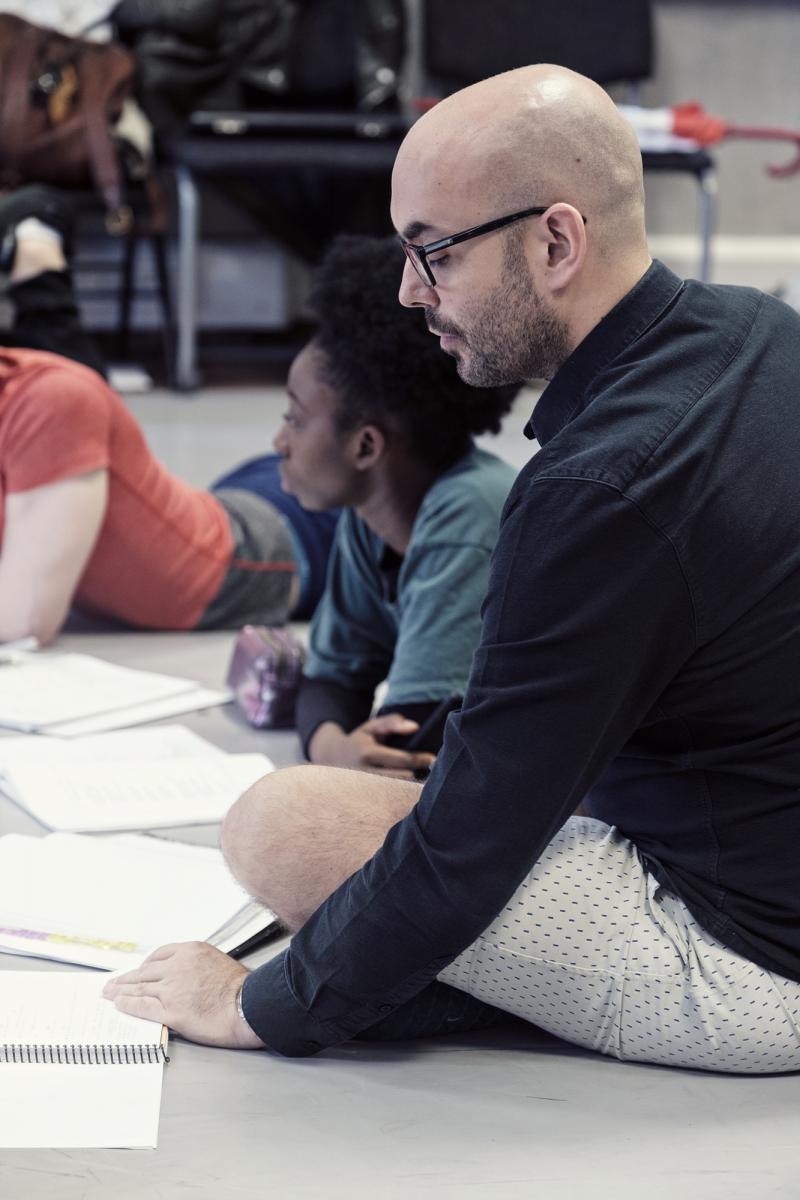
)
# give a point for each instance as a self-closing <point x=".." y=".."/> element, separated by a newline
<point x="568" y="392"/>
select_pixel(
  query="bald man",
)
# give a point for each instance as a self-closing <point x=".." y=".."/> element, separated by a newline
<point x="639" y="655"/>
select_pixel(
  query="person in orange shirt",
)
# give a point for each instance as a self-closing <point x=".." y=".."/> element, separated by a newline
<point x="88" y="515"/>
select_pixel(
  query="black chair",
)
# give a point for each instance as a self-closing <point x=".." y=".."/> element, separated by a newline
<point x="112" y="278"/>
<point x="610" y="43"/>
<point x="318" y="131"/>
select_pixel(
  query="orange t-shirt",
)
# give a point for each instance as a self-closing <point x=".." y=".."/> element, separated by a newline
<point x="164" y="546"/>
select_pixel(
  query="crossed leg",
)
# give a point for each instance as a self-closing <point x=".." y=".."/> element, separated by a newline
<point x="590" y="946"/>
<point x="295" y="835"/>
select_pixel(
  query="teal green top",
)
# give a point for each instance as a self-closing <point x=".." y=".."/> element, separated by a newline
<point x="413" y="621"/>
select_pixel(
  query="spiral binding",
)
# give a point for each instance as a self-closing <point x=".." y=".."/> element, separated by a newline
<point x="78" y="1055"/>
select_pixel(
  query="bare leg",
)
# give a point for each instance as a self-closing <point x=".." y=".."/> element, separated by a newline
<point x="295" y="835"/>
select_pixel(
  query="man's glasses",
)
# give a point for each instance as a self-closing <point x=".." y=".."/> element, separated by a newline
<point x="418" y="255"/>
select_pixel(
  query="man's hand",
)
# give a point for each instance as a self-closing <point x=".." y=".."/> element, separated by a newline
<point x="192" y="988"/>
<point x="363" y="749"/>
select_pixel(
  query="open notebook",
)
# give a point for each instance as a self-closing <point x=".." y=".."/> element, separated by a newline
<point x="74" y="1071"/>
<point x="147" y="778"/>
<point x="69" y="695"/>
<point x="108" y="902"/>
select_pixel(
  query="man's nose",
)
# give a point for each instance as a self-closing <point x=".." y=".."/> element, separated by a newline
<point x="413" y="292"/>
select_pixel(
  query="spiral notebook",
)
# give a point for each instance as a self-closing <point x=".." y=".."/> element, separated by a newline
<point x="74" y="1071"/>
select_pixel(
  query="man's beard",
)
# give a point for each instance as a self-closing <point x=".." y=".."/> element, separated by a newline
<point x="513" y="336"/>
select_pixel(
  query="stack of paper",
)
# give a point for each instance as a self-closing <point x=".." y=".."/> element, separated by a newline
<point x="134" y="779"/>
<point x="74" y="1071"/>
<point x="70" y="695"/>
<point x="108" y="902"/>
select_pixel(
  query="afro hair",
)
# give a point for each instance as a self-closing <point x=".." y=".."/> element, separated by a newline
<point x="383" y="363"/>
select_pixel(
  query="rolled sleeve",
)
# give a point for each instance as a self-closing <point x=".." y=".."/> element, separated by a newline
<point x="274" y="1013"/>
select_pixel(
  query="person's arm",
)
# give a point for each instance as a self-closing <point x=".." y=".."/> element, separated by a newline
<point x="435" y="629"/>
<point x="336" y="730"/>
<point x="48" y="535"/>
<point x="326" y="701"/>
<point x="351" y="647"/>
<point x="587" y="620"/>
<point x="365" y="748"/>
<point x="56" y="432"/>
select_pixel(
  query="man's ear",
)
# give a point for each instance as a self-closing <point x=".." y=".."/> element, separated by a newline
<point x="368" y="445"/>
<point x="563" y="231"/>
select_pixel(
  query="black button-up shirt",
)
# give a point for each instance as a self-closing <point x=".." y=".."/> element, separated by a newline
<point x="640" y="652"/>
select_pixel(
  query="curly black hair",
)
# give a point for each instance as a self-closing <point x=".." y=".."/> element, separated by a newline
<point x="383" y="363"/>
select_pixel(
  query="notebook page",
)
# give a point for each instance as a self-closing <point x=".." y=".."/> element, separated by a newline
<point x="43" y="1105"/>
<point x="193" y="700"/>
<point x="37" y="690"/>
<point x="133" y="794"/>
<point x="74" y="1107"/>
<point x="66" y="1008"/>
<point x="108" y="902"/>
<point x="160" y="741"/>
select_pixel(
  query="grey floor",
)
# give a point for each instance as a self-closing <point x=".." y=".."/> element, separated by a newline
<point x="510" y="1114"/>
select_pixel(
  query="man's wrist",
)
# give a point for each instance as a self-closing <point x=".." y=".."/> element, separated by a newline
<point x="240" y="1007"/>
<point x="247" y="1038"/>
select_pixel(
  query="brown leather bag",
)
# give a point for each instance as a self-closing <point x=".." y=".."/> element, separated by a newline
<point x="59" y="97"/>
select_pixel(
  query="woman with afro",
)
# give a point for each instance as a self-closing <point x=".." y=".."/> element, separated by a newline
<point x="378" y="423"/>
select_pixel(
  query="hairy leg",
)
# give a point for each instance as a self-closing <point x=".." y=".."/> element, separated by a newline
<point x="295" y="835"/>
<point x="298" y="833"/>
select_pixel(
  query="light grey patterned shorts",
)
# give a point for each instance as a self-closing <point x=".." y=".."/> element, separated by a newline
<point x="594" y="950"/>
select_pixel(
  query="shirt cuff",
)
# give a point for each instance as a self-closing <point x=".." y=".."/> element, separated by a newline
<point x="273" y="1013"/>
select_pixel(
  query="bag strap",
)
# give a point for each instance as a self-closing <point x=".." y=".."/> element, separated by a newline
<point x="16" y="101"/>
<point x="96" y="86"/>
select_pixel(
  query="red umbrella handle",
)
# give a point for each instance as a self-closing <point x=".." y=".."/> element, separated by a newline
<point x="762" y="133"/>
<point x="692" y="121"/>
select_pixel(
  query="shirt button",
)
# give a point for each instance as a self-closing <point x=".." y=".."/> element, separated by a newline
<point x="384" y="1008"/>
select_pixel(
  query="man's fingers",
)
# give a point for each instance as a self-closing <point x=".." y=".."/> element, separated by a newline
<point x="138" y="985"/>
<point x="148" y="987"/>
<point x="149" y="1007"/>
<point x="149" y="970"/>
<point x="167" y="951"/>
<point x="121" y="981"/>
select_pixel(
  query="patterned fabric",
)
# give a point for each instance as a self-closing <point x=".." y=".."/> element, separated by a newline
<point x="593" y="949"/>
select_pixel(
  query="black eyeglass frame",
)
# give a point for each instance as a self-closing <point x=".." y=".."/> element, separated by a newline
<point x="418" y="255"/>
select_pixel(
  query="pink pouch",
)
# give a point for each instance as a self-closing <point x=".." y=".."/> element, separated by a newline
<point x="265" y="675"/>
